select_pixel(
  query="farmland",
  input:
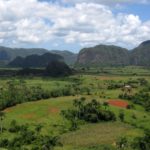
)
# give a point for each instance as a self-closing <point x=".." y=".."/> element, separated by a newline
<point x="103" y="87"/>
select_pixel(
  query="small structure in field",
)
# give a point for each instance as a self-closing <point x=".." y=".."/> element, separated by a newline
<point x="127" y="89"/>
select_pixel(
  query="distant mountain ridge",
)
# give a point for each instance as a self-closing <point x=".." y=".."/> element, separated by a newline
<point x="103" y="55"/>
<point x="100" y="55"/>
<point x="69" y="57"/>
<point x="35" y="61"/>
<point x="8" y="54"/>
<point x="140" y="56"/>
<point x="110" y="55"/>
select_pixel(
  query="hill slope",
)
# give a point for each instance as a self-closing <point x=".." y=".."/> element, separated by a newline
<point x="103" y="55"/>
<point x="140" y="56"/>
<point x="8" y="54"/>
<point x="35" y="60"/>
<point x="69" y="57"/>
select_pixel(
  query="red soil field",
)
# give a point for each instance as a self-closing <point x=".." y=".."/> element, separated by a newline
<point x="54" y="110"/>
<point x="118" y="103"/>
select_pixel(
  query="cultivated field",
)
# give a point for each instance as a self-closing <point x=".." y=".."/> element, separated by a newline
<point x="102" y="87"/>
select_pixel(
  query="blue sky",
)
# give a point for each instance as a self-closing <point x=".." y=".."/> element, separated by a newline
<point x="74" y="24"/>
<point x="142" y="10"/>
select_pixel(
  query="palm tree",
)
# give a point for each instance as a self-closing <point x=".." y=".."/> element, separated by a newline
<point x="79" y="104"/>
<point x="2" y="115"/>
<point x="48" y="142"/>
<point x="105" y="104"/>
<point x="38" y="128"/>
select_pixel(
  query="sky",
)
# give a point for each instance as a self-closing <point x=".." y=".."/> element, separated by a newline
<point x="74" y="24"/>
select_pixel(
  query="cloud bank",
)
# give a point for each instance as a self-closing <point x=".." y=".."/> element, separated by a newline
<point x="108" y="2"/>
<point x="34" y="22"/>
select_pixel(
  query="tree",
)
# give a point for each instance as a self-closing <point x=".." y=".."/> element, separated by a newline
<point x="49" y="142"/>
<point x="38" y="128"/>
<point x="105" y="104"/>
<point x="89" y="112"/>
<point x="72" y="117"/>
<point x="121" y="115"/>
<point x="142" y="143"/>
<point x="122" y="143"/>
<point x="2" y="115"/>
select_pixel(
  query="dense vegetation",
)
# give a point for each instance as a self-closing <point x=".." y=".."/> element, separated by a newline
<point x="9" y="54"/>
<point x="58" y="69"/>
<point x="75" y="111"/>
<point x="16" y="92"/>
<point x="100" y="55"/>
<point x="26" y="138"/>
<point x="141" y="97"/>
<point x="35" y="61"/>
<point x="105" y="55"/>
<point x="92" y="112"/>
<point x="69" y="57"/>
<point x="140" y="56"/>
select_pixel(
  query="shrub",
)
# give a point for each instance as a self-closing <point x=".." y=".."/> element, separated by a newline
<point x="122" y="143"/>
<point x="89" y="112"/>
<point x="121" y="116"/>
<point x="142" y="143"/>
<point x="14" y="127"/>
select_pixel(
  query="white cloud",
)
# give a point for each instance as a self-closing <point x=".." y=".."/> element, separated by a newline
<point x="31" y="21"/>
<point x="108" y="2"/>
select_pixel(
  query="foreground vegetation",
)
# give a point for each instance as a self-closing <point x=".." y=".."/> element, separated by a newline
<point x="73" y="113"/>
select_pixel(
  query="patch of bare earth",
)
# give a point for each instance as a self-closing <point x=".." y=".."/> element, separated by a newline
<point x="118" y="103"/>
<point x="53" y="110"/>
<point x="29" y="116"/>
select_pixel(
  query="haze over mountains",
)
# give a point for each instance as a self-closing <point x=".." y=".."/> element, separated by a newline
<point x="35" y="60"/>
<point x="140" y="56"/>
<point x="110" y="55"/>
<point x="9" y="54"/>
<point x="100" y="55"/>
<point x="103" y="55"/>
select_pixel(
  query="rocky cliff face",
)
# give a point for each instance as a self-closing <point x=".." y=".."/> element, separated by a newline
<point x="103" y="55"/>
<point x="140" y="56"/>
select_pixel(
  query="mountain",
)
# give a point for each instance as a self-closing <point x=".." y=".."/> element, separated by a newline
<point x="69" y="57"/>
<point x="57" y="69"/>
<point x="100" y="55"/>
<point x="8" y="54"/>
<point x="35" y="60"/>
<point x="140" y="56"/>
<point x="103" y="55"/>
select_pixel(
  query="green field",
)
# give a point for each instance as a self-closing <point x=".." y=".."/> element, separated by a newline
<point x="47" y="113"/>
<point x="89" y="136"/>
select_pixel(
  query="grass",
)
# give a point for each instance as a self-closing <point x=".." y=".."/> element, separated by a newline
<point x="89" y="136"/>
<point x="95" y="134"/>
<point x="47" y="113"/>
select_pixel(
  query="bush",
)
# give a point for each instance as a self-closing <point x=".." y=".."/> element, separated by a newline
<point x="122" y="143"/>
<point x="14" y="127"/>
<point x="26" y="138"/>
<point x="121" y="116"/>
<point x="142" y="143"/>
<point x="17" y="92"/>
<point x="89" y="112"/>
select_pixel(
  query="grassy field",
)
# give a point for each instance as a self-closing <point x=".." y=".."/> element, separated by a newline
<point x="88" y="136"/>
<point x="47" y="113"/>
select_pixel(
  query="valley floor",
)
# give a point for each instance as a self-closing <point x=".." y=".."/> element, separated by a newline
<point x="46" y="112"/>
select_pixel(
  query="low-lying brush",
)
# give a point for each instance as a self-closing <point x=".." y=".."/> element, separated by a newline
<point x="92" y="112"/>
